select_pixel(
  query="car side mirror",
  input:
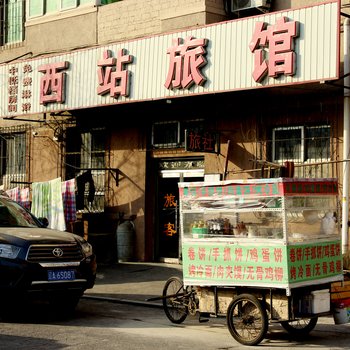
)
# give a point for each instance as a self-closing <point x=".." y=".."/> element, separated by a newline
<point x="44" y="221"/>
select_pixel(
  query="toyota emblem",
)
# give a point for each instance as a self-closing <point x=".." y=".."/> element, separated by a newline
<point x="57" y="252"/>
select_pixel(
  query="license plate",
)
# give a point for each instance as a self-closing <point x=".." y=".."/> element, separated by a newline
<point x="61" y="275"/>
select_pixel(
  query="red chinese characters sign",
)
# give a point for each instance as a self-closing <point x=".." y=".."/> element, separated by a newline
<point x="169" y="226"/>
<point x="237" y="264"/>
<point x="13" y="88"/>
<point x="186" y="61"/>
<point x="203" y="60"/>
<point x="208" y="142"/>
<point x="113" y="78"/>
<point x="274" y="188"/>
<point x="279" y="39"/>
<point x="52" y="83"/>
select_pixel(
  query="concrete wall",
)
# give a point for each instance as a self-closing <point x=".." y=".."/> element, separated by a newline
<point x="46" y="154"/>
<point x="128" y="195"/>
<point x="54" y="34"/>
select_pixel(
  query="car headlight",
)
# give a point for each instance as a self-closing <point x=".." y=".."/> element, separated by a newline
<point x="87" y="248"/>
<point x="9" y="251"/>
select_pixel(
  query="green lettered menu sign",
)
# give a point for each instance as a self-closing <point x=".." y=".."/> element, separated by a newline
<point x="222" y="263"/>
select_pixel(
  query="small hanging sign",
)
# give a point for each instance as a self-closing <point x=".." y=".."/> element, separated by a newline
<point x="202" y="141"/>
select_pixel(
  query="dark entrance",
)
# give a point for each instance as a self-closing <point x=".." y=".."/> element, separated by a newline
<point x="168" y="218"/>
<point x="168" y="212"/>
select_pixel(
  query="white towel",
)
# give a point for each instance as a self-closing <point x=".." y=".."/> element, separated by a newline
<point x="47" y="202"/>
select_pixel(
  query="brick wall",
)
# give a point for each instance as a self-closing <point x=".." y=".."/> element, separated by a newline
<point x="134" y="19"/>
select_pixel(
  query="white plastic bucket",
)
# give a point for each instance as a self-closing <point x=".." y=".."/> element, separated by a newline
<point x="340" y="315"/>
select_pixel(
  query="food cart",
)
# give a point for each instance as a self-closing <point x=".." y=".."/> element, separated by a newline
<point x="257" y="251"/>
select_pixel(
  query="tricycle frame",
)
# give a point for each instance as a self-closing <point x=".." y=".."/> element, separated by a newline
<point x="249" y="312"/>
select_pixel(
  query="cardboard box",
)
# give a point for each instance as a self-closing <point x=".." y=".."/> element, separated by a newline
<point x="340" y="286"/>
<point x="340" y="290"/>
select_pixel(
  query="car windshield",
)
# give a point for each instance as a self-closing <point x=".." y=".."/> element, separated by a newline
<point x="14" y="215"/>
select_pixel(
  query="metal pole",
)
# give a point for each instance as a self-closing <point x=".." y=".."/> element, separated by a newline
<point x="226" y="160"/>
<point x="345" y="199"/>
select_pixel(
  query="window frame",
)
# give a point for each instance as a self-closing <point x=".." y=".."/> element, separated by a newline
<point x="304" y="139"/>
<point x="302" y="148"/>
<point x="41" y="6"/>
<point x="9" y="35"/>
<point x="82" y="151"/>
<point x="324" y="126"/>
<point x="13" y="157"/>
<point x="62" y="7"/>
<point x="180" y="127"/>
<point x="166" y="144"/>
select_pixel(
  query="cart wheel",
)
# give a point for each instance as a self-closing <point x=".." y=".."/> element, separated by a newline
<point x="247" y="319"/>
<point x="174" y="299"/>
<point x="300" y="327"/>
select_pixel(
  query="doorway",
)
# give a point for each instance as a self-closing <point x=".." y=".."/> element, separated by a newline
<point x="169" y="245"/>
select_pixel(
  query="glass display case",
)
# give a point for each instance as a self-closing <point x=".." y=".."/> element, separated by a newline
<point x="280" y="231"/>
<point x="269" y="209"/>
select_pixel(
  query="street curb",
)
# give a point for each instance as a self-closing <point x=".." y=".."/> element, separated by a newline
<point x="123" y="301"/>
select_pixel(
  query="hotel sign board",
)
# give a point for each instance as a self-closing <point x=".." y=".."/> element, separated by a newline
<point x="274" y="49"/>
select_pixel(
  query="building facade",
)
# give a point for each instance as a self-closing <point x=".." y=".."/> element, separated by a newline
<point x="129" y="98"/>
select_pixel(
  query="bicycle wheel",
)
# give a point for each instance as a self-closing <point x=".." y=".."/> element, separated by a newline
<point x="174" y="300"/>
<point x="300" y="327"/>
<point x="247" y="319"/>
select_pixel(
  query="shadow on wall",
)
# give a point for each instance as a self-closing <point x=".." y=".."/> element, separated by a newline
<point x="240" y="158"/>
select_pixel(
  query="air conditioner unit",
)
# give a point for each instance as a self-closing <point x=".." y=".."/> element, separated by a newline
<point x="240" y="5"/>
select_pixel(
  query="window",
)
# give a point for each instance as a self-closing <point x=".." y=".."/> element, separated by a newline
<point x="105" y="2"/>
<point x="301" y="145"/>
<point x="38" y="8"/>
<point x="288" y="144"/>
<point x="12" y="21"/>
<point x="68" y="4"/>
<point x="85" y="152"/>
<point x="12" y="158"/>
<point x="318" y="143"/>
<point x="166" y="134"/>
<point x="171" y="134"/>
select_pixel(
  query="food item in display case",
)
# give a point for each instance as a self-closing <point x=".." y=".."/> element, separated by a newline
<point x="328" y="224"/>
<point x="240" y="230"/>
<point x="199" y="228"/>
<point x="310" y="216"/>
<point x="219" y="226"/>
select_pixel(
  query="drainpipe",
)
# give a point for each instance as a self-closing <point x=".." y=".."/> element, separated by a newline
<point x="345" y="200"/>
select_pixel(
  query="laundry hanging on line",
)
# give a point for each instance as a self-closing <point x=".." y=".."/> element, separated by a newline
<point x="69" y="200"/>
<point x="20" y="195"/>
<point x="47" y="202"/>
<point x="81" y="180"/>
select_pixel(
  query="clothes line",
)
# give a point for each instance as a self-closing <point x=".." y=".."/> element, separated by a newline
<point x="54" y="199"/>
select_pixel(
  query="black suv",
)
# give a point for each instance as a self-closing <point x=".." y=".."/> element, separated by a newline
<point x="40" y="263"/>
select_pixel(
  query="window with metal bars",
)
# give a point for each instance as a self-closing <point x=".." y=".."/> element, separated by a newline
<point x="303" y="145"/>
<point x="86" y="151"/>
<point x="171" y="134"/>
<point x="12" y="18"/>
<point x="12" y="158"/>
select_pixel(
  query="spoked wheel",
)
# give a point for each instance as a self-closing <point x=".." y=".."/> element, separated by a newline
<point x="247" y="319"/>
<point x="174" y="300"/>
<point x="300" y="327"/>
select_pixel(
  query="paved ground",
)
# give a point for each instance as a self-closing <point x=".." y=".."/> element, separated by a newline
<point x="132" y="282"/>
<point x="135" y="283"/>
